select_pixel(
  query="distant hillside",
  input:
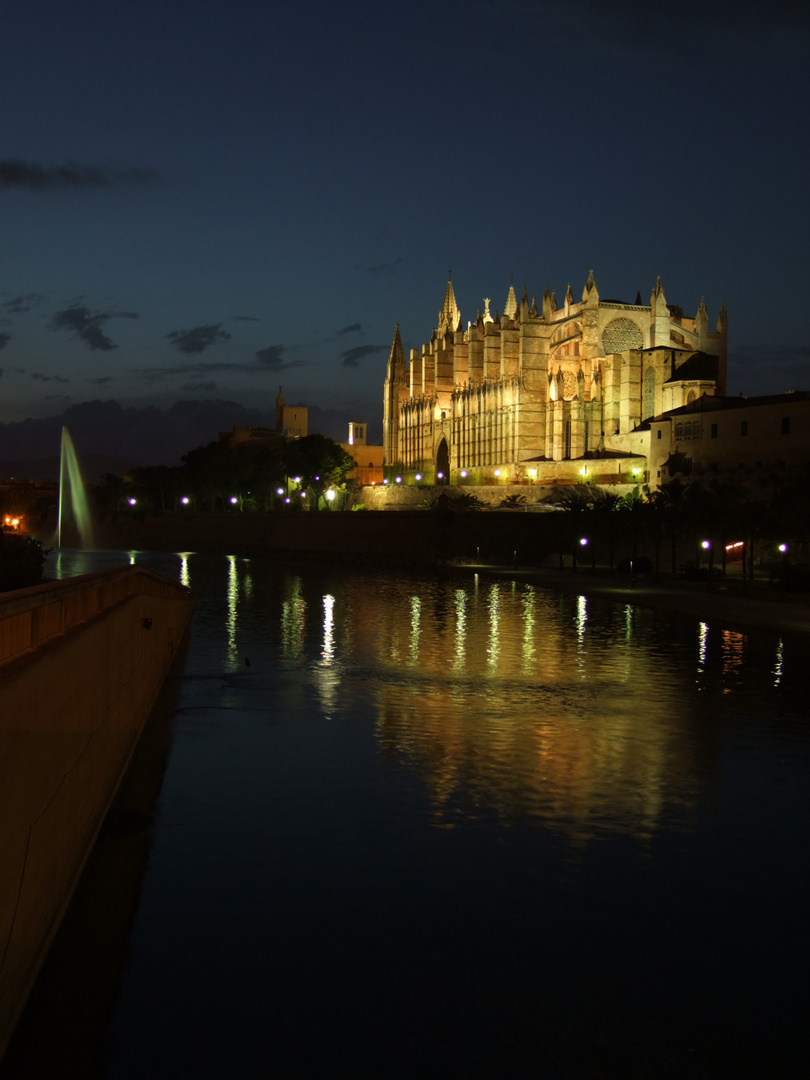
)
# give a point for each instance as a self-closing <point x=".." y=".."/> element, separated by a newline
<point x="39" y="469"/>
<point x="115" y="438"/>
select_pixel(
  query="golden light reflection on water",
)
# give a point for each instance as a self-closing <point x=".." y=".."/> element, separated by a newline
<point x="511" y="700"/>
<point x="733" y="647"/>
<point x="494" y="648"/>
<point x="293" y="621"/>
<point x="777" y="668"/>
<point x="461" y="630"/>
<point x="230" y="623"/>
<point x="327" y="672"/>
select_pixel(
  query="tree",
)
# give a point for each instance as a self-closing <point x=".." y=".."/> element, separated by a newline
<point x="320" y="462"/>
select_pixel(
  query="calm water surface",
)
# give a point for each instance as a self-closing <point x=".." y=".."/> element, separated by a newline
<point x="455" y="827"/>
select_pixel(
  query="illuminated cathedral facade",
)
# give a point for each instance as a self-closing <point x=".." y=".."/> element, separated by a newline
<point x="548" y="393"/>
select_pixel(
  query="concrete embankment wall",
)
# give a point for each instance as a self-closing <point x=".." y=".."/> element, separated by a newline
<point x="406" y="536"/>
<point x="81" y="664"/>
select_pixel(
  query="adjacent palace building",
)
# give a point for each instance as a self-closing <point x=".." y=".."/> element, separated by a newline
<point x="549" y="393"/>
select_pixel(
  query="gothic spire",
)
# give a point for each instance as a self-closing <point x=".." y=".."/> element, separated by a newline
<point x="449" y="315"/>
<point x="510" y="307"/>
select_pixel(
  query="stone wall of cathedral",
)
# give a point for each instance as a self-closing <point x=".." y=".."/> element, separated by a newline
<point x="561" y="384"/>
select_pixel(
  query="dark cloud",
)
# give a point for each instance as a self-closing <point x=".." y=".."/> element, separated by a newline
<point x="353" y="328"/>
<point x="628" y="24"/>
<point x="18" y="305"/>
<point x="198" y="339"/>
<point x="385" y="269"/>
<point x="126" y="315"/>
<point x="48" y="378"/>
<point x="271" y="358"/>
<point x="57" y="397"/>
<point x="68" y="177"/>
<point x="351" y="357"/>
<point x="4" y="340"/>
<point x="79" y="322"/>
<point x="245" y="318"/>
<point x="100" y="382"/>
<point x="207" y="387"/>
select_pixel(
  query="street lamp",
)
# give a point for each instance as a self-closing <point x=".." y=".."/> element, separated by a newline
<point x="707" y="546"/>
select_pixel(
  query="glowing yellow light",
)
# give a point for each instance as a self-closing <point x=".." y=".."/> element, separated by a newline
<point x="532" y="473"/>
<point x="583" y="471"/>
<point x="463" y="472"/>
<point x="418" y="476"/>
<point x="399" y="479"/>
<point x="330" y="495"/>
<point x="497" y="472"/>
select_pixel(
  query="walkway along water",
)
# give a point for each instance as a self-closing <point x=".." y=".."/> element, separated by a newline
<point x="81" y="663"/>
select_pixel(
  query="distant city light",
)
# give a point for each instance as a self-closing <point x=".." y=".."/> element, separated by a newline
<point x="418" y="476"/>
<point x="297" y="479"/>
<point x="132" y="502"/>
<point x="330" y="495"/>
<point x="234" y="500"/>
<point x="440" y="475"/>
<point x="463" y="472"/>
<point x="497" y="472"/>
<point x="583" y="471"/>
<point x="706" y="544"/>
<point x="584" y="541"/>
<point x="398" y="479"/>
<point x="532" y="473"/>
<point x="279" y="491"/>
<point x="287" y="499"/>
<point x="184" y="500"/>
<point x="783" y="548"/>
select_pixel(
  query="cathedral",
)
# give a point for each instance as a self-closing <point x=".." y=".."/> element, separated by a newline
<point x="550" y="394"/>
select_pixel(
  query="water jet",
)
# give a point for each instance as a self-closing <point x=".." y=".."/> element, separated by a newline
<point x="72" y="496"/>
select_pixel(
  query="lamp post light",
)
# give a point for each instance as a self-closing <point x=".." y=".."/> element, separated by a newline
<point x="330" y="495"/>
<point x="707" y="546"/>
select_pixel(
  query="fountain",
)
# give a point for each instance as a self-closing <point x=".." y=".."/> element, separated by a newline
<point x="71" y="489"/>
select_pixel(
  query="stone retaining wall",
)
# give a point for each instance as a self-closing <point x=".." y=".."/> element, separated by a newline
<point x="81" y="664"/>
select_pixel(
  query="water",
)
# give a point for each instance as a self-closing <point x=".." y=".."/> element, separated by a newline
<point x="72" y="496"/>
<point x="459" y="828"/>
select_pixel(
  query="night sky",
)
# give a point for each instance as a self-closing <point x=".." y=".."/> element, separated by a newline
<point x="205" y="200"/>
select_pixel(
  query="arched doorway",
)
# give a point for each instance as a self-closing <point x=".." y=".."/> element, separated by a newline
<point x="443" y="463"/>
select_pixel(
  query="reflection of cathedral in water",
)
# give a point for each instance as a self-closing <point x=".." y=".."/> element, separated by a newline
<point x="510" y="700"/>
